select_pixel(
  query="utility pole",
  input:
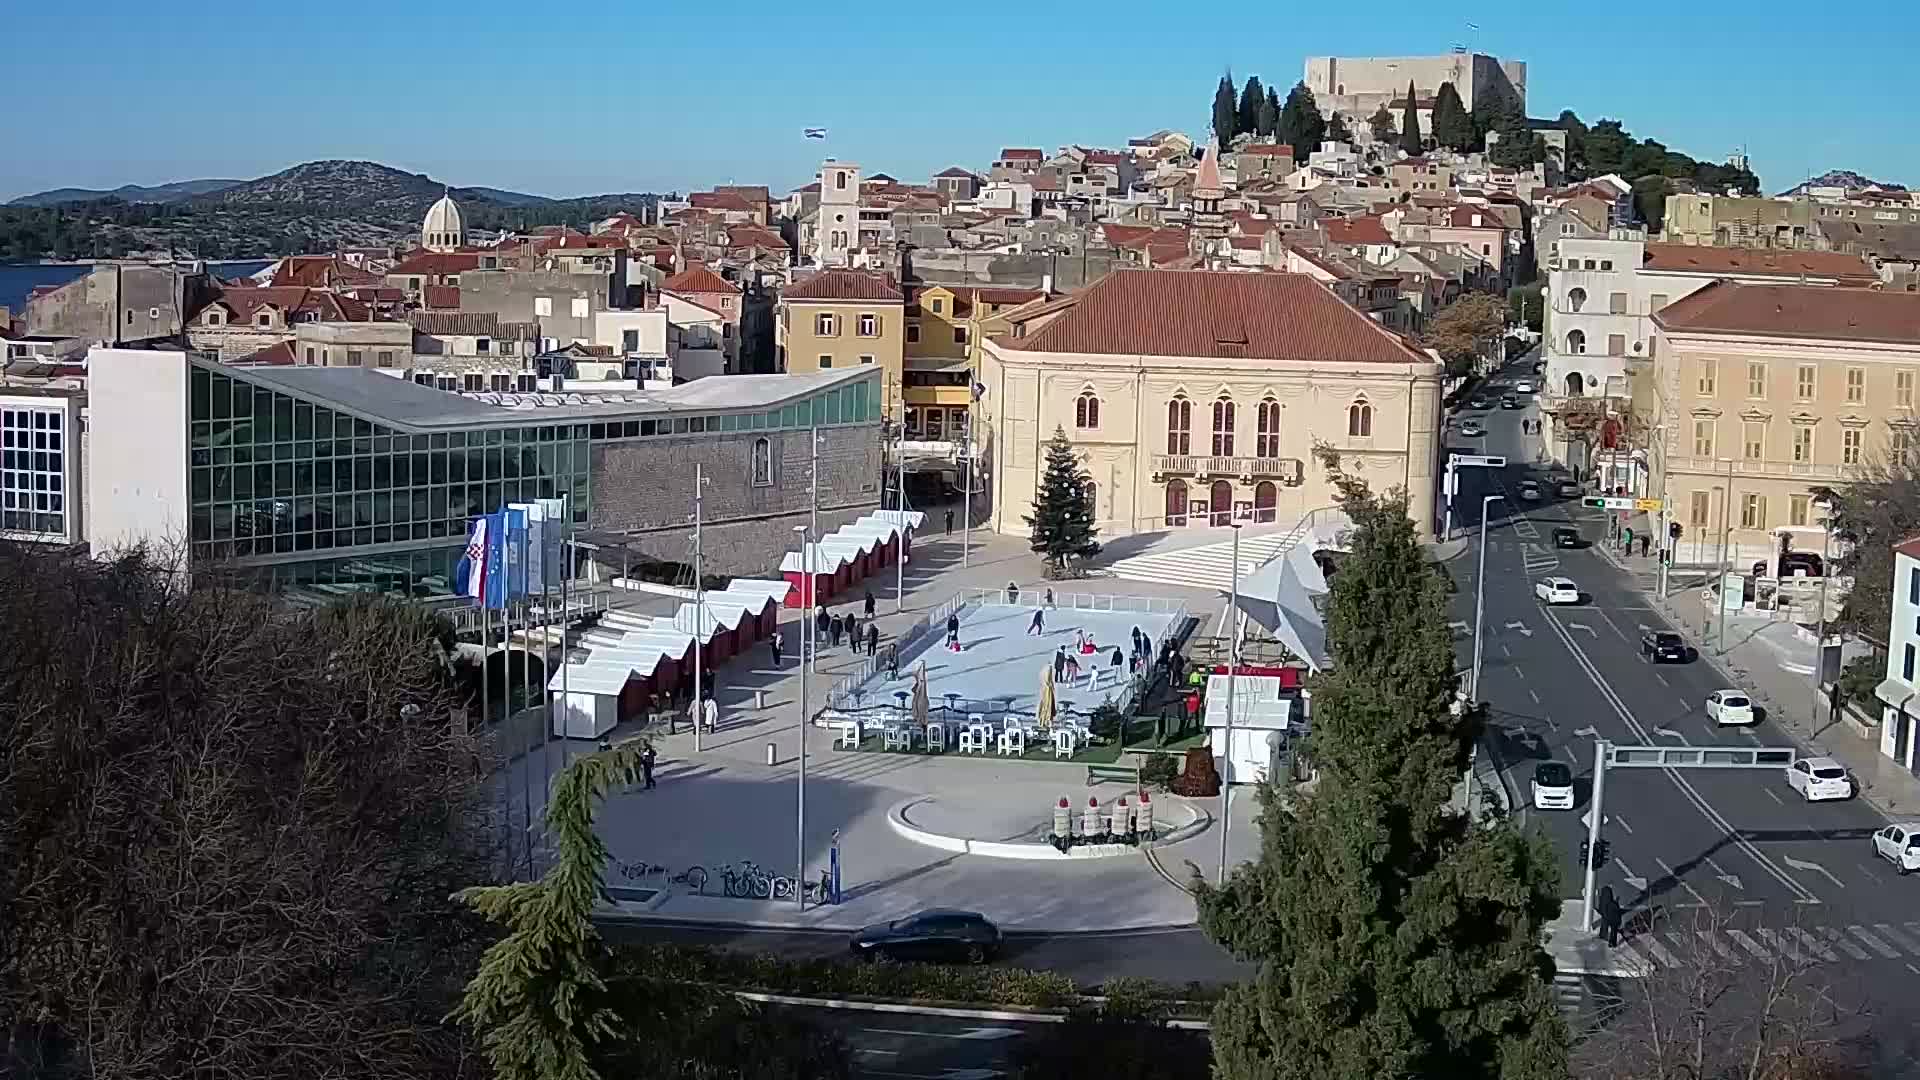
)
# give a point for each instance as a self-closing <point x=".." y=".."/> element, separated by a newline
<point x="1593" y="832"/>
<point x="800" y="811"/>
<point x="813" y="487"/>
<point x="1726" y="555"/>
<point x="966" y="521"/>
<point x="1825" y="507"/>
<point x="900" y="564"/>
<point x="1480" y="598"/>
<point x="1233" y="679"/>
<point x="699" y="606"/>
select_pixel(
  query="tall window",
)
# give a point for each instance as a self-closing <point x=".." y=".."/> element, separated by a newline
<point x="869" y="324"/>
<point x="762" y="463"/>
<point x="1223" y="428"/>
<point x="1757" y="381"/>
<point x="1856" y="385"/>
<point x="1803" y="443"/>
<point x="1753" y="511"/>
<point x="1360" y="419"/>
<point x="1699" y="504"/>
<point x="1703" y="438"/>
<point x="1180" y="431"/>
<point x="1267" y="423"/>
<point x="1576" y="341"/>
<point x="1903" y="389"/>
<point x="1754" y="439"/>
<point x="1803" y="382"/>
<point x="1850" y="446"/>
<point x="1797" y="509"/>
<point x="1707" y="372"/>
<point x="1177" y="502"/>
<point x="1086" y="410"/>
<point x="825" y="325"/>
<point x="1576" y="299"/>
<point x="1900" y="442"/>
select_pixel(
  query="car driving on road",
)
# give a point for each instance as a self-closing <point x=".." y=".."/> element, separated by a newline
<point x="1663" y="647"/>
<point x="1793" y="563"/>
<point x="1568" y="489"/>
<point x="1899" y="844"/>
<point x="1477" y="403"/>
<point x="1523" y="387"/>
<point x="936" y="935"/>
<point x="1818" y="779"/>
<point x="1556" y="590"/>
<point x="1731" y="708"/>
<point x="1508" y="401"/>
<point x="1564" y="537"/>
<point x="1530" y="490"/>
<point x="1472" y="429"/>
<point x="1552" y="786"/>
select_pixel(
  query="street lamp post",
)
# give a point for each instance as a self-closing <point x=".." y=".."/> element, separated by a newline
<point x="1825" y="506"/>
<point x="1233" y="679"/>
<point x="800" y="812"/>
<point x="1726" y="555"/>
<point x="1480" y="597"/>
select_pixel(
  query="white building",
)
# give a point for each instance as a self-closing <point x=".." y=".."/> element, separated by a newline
<point x="837" y="225"/>
<point x="1899" y="692"/>
<point x="443" y="229"/>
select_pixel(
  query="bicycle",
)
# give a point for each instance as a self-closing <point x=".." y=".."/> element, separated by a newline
<point x="748" y="881"/>
<point x="693" y="877"/>
<point x="781" y="887"/>
<point x="641" y="869"/>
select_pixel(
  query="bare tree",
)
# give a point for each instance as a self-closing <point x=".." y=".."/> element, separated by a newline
<point x="1722" y="1013"/>
<point x="229" y="831"/>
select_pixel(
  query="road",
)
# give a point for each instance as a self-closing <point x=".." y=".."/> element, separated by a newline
<point x="1732" y="863"/>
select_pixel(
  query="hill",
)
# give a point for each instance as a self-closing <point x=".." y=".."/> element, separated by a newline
<point x="1841" y="178"/>
<point x="159" y="193"/>
<point x="313" y="207"/>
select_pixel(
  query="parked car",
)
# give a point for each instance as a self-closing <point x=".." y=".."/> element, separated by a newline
<point x="1731" y="708"/>
<point x="1565" y="537"/>
<point x="1664" y="647"/>
<point x="1524" y="387"/>
<point x="1530" y="490"/>
<point x="1472" y="429"/>
<point x="1818" y="779"/>
<point x="1477" y="403"/>
<point x="1552" y="786"/>
<point x="1556" y="590"/>
<point x="1568" y="489"/>
<point x="1793" y="563"/>
<point x="1899" y="844"/>
<point x="936" y="935"/>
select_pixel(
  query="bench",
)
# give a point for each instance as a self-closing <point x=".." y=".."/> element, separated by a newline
<point x="1099" y="774"/>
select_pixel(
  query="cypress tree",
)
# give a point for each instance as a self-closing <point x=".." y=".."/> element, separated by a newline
<point x="1273" y="110"/>
<point x="1393" y="937"/>
<point x="1225" y="113"/>
<point x="1337" y="129"/>
<point x="1382" y="124"/>
<point x="1410" y="140"/>
<point x="1062" y="518"/>
<point x="1452" y="127"/>
<point x="1301" y="125"/>
<point x="1247" y="117"/>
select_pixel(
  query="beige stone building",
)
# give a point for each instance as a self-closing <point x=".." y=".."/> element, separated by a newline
<point x="1196" y="398"/>
<point x="840" y="318"/>
<point x="1762" y="393"/>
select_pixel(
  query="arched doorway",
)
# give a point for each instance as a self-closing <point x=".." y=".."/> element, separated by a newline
<point x="1220" y="502"/>
<point x="1177" y="502"/>
<point x="1266" y="498"/>
<point x="1576" y="385"/>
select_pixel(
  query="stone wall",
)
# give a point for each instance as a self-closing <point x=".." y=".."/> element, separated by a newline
<point x="117" y="303"/>
<point x="957" y="267"/>
<point x="644" y="490"/>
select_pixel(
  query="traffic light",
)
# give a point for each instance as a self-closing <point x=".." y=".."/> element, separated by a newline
<point x="1601" y="856"/>
<point x="1591" y="858"/>
<point x="1673" y="530"/>
<point x="1596" y="502"/>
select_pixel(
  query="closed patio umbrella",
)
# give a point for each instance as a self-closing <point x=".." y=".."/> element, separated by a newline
<point x="1043" y="713"/>
<point x="920" y="694"/>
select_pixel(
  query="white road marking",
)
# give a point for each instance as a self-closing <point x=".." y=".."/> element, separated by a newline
<point x="1812" y="944"/>
<point x="1848" y="947"/>
<point x="1504" y="651"/>
<point x="1534" y="696"/>
<point x="1803" y="864"/>
<point x="1874" y="943"/>
<point x="1774" y="797"/>
<point x="1668" y="870"/>
<point x="1659" y="951"/>
<point x="1898" y="938"/>
<point x="1662" y="678"/>
<point x="1622" y="822"/>
<point x="1610" y="622"/>
<point x="1749" y="944"/>
<point x="1780" y="944"/>
<point x="1713" y="942"/>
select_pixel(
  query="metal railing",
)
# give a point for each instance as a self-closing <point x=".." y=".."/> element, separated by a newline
<point x="582" y="603"/>
<point x="1144" y="605"/>
<point x="1288" y="469"/>
<point x="1743" y="467"/>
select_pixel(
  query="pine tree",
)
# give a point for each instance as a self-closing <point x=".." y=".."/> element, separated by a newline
<point x="1410" y="140"/>
<point x="1337" y="129"/>
<point x="1452" y="127"/>
<point x="1393" y="937"/>
<point x="1301" y="125"/>
<point x="1225" y="113"/>
<point x="1246" y="119"/>
<point x="1062" y="518"/>
<point x="1382" y="124"/>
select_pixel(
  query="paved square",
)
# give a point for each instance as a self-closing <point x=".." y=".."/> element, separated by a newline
<point x="1000" y="659"/>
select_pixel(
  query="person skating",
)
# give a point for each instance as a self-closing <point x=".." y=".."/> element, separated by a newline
<point x="1036" y="625"/>
<point x="773" y="645"/>
<point x="873" y="638"/>
<point x="869" y="603"/>
<point x="646" y="765"/>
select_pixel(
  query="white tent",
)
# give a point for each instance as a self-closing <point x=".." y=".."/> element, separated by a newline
<point x="586" y="695"/>
<point x="1282" y="598"/>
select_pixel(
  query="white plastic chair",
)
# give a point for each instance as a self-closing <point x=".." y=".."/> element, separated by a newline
<point x="1063" y="740"/>
<point x="1013" y="743"/>
<point x="936" y="735"/>
<point x="849" y="735"/>
<point x="970" y="741"/>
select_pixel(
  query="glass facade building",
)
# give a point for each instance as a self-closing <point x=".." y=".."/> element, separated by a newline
<point x="316" y="496"/>
<point x="33" y="471"/>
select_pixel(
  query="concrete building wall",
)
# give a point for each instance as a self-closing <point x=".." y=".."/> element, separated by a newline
<point x="136" y="449"/>
<point x="837" y="227"/>
<point x="846" y="346"/>
<point x="116" y="304"/>
<point x="649" y="327"/>
<point x="544" y="296"/>
<point x="376" y="344"/>
<point x="1353" y="84"/>
<point x="646" y="490"/>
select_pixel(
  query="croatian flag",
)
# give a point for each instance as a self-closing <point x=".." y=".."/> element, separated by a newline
<point x="470" y="575"/>
<point x="815" y="133"/>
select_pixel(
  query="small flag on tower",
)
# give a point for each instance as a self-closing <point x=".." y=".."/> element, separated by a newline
<point x="816" y="133"/>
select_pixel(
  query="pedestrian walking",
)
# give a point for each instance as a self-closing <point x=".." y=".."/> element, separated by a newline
<point x="1013" y="593"/>
<point x="773" y="646"/>
<point x="873" y="638"/>
<point x="710" y="714"/>
<point x="1646" y="542"/>
<point x="820" y="621"/>
<point x="1115" y="662"/>
<point x="853" y="632"/>
<point x="834" y="628"/>
<point x="1049" y="596"/>
<point x="646" y="765"/>
<point x="1609" y="917"/>
<point x="1059" y="663"/>
<point x="869" y="603"/>
<point x="949" y="521"/>
<point x="1628" y="533"/>
<point x="1036" y="627"/>
<point x="893" y="661"/>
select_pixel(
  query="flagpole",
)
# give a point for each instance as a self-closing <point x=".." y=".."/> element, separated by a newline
<point x="526" y="666"/>
<point x="546" y="661"/>
<point x="699" y="609"/>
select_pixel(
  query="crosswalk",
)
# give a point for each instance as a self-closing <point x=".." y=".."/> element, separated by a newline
<point x="1207" y="566"/>
<point x="1655" y="950"/>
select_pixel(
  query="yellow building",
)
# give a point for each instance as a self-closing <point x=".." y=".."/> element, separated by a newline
<point x="1197" y="398"/>
<point x="945" y="327"/>
<point x="841" y="319"/>
<point x="1763" y="393"/>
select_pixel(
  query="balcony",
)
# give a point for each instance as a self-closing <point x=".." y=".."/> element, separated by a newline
<point x="1285" y="470"/>
<point x="1776" y="470"/>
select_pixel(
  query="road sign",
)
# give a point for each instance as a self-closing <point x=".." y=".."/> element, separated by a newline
<point x="1648" y="504"/>
<point x="1610" y="502"/>
<point x="1484" y="461"/>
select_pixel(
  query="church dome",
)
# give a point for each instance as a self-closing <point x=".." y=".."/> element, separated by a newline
<point x="443" y="229"/>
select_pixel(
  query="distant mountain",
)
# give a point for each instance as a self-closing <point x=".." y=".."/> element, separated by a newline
<point x="133" y="193"/>
<point x="509" y="198"/>
<point x="1841" y="178"/>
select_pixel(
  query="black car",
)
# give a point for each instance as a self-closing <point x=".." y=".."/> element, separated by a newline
<point x="936" y="935"/>
<point x="1662" y="647"/>
<point x="1508" y="401"/>
<point x="1564" y="537"/>
<point x="1792" y="563"/>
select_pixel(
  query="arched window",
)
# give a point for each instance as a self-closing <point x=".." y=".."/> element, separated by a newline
<point x="1220" y="503"/>
<point x="1577" y="342"/>
<point x="1223" y="427"/>
<point x="1576" y="298"/>
<point x="1093" y="499"/>
<point x="1360" y="419"/>
<point x="1575" y="384"/>
<point x="1266" y="498"/>
<point x="1177" y="502"/>
<point x="1086" y="410"/>
<point x="1180" y="431"/>
<point x="1267" y="429"/>
<point x="762" y="463"/>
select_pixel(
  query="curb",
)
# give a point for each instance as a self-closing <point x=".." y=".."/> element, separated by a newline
<point x="950" y="1012"/>
<point x="610" y="915"/>
<point x="1033" y="852"/>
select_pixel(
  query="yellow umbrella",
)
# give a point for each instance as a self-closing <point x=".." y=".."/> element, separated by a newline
<point x="920" y="694"/>
<point x="1043" y="714"/>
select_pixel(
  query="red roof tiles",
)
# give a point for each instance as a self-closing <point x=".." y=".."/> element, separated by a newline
<point x="1200" y="313"/>
<point x="1848" y="269"/>
<point x="720" y="200"/>
<point x="1021" y="154"/>
<point x="429" y="263"/>
<point x="699" y="279"/>
<point x="442" y="297"/>
<point x="838" y="284"/>
<point x="1796" y="311"/>
<point x="1359" y="230"/>
<point x="1267" y="150"/>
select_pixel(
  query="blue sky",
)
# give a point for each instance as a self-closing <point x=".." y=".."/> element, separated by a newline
<point x="588" y="97"/>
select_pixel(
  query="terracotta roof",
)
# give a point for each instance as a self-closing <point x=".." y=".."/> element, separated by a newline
<point x="720" y="200"/>
<point x="1105" y="157"/>
<point x="954" y="171"/>
<point x="845" y="285"/>
<point x="1007" y="295"/>
<point x="278" y="354"/>
<point x="1267" y="150"/>
<point x="321" y="272"/>
<point x="1851" y="269"/>
<point x="427" y="263"/>
<point x="1797" y="311"/>
<point x="1909" y="547"/>
<point x="814" y="187"/>
<point x="469" y="324"/>
<point x="699" y="279"/>
<point x="1020" y="154"/>
<point x="1359" y="230"/>
<point x="1202" y="313"/>
<point x="1208" y="176"/>
<point x="290" y="300"/>
<point x="443" y="297"/>
<point x="1245" y="243"/>
<point x="752" y="192"/>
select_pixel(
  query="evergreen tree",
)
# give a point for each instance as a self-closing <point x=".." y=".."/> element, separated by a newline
<point x="1301" y="125"/>
<point x="1452" y="127"/>
<point x="1337" y="129"/>
<point x="1393" y="937"/>
<point x="1498" y="112"/>
<point x="1273" y="108"/>
<point x="1382" y="124"/>
<point x="1246" y="119"/>
<point x="1062" y="518"/>
<point x="1410" y="140"/>
<point x="1576" y="157"/>
<point x="1517" y="147"/>
<point x="1225" y="113"/>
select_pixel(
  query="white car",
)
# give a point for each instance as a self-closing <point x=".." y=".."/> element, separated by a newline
<point x="1552" y="786"/>
<point x="1523" y="388"/>
<point x="1472" y="429"/>
<point x="1730" y="707"/>
<point x="1556" y="590"/>
<point x="1899" y="845"/>
<point x="1818" y="779"/>
<point x="1529" y="490"/>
